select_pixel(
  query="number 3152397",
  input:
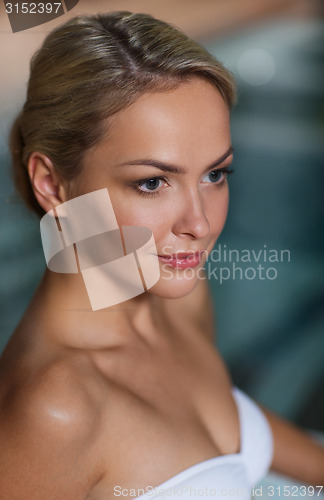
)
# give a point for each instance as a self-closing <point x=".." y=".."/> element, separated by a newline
<point x="33" y="8"/>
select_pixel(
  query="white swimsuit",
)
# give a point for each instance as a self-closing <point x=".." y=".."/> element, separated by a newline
<point x="232" y="475"/>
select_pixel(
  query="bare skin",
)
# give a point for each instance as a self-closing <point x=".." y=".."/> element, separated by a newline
<point x="135" y="393"/>
<point x="117" y="405"/>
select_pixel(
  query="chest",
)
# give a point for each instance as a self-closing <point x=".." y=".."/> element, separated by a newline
<point x="167" y="409"/>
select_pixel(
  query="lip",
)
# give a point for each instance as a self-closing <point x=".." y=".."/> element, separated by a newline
<point x="182" y="260"/>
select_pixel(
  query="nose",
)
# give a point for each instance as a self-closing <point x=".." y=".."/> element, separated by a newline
<point x="191" y="218"/>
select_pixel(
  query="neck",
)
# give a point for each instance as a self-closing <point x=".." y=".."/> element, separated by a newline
<point x="61" y="307"/>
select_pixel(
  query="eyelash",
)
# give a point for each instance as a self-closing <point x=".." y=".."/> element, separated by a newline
<point x="225" y="170"/>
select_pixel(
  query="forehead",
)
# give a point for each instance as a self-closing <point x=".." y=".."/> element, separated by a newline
<point x="179" y="125"/>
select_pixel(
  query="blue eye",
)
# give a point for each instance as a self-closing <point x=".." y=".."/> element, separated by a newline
<point x="149" y="187"/>
<point x="218" y="176"/>
<point x="215" y="176"/>
<point x="151" y="184"/>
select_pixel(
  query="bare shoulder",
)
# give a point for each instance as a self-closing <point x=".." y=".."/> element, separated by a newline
<point x="48" y="419"/>
<point x="63" y="391"/>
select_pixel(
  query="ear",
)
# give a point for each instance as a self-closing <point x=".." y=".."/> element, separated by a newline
<point x="48" y="188"/>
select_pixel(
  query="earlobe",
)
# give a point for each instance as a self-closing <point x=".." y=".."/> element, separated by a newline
<point x="48" y="188"/>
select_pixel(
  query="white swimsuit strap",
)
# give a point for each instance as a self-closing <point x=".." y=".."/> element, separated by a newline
<point x="256" y="436"/>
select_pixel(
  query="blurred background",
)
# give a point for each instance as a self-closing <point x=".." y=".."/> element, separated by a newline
<point x="270" y="331"/>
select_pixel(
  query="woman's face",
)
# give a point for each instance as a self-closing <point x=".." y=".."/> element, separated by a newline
<point x="184" y="200"/>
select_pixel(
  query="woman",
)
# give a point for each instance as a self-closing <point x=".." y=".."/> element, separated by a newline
<point x="114" y="402"/>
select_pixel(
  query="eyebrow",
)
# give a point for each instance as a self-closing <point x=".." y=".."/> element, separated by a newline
<point x="167" y="167"/>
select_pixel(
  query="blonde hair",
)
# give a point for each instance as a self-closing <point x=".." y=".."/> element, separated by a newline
<point x="88" y="69"/>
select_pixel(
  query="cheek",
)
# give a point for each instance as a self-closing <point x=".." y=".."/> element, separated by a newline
<point x="217" y="208"/>
<point x="138" y="212"/>
<point x="158" y="217"/>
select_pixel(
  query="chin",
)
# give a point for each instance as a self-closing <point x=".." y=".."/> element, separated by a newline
<point x="177" y="283"/>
